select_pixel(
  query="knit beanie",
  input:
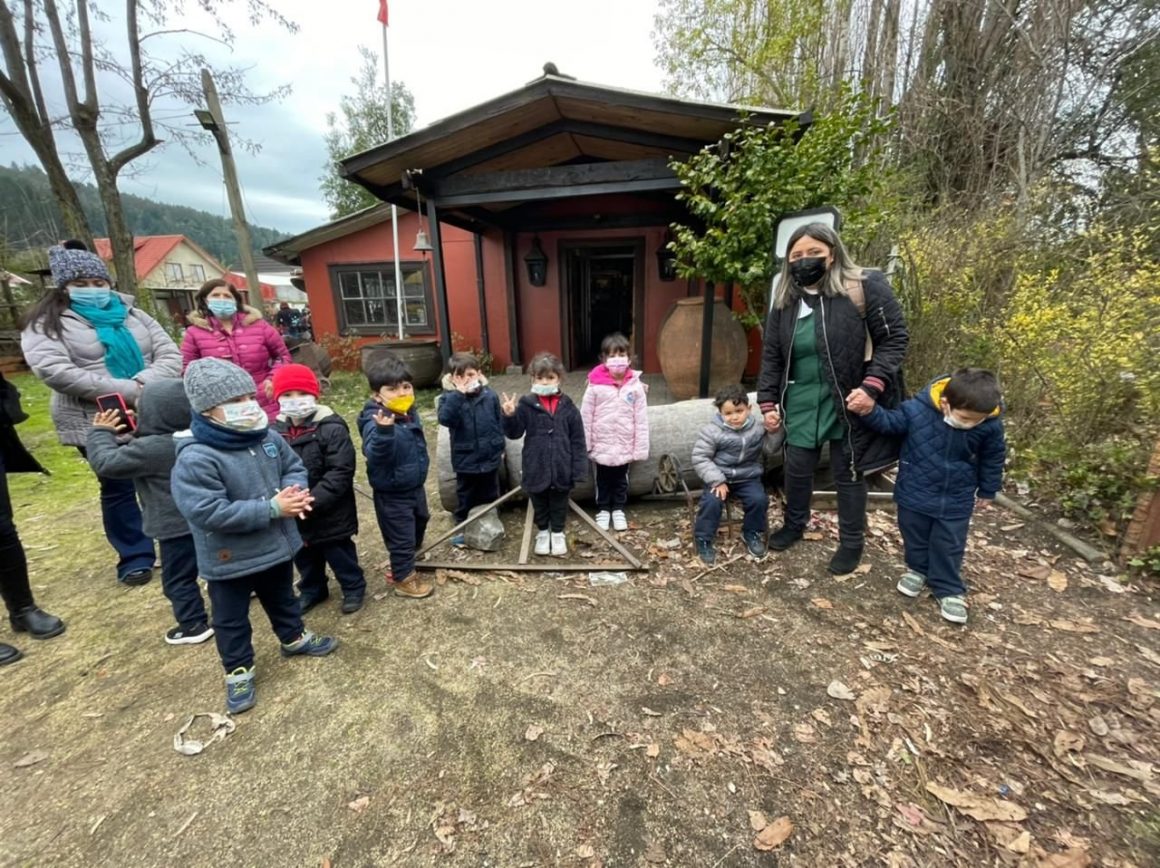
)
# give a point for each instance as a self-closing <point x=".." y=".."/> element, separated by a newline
<point x="210" y="382"/>
<point x="68" y="265"/>
<point x="290" y="378"/>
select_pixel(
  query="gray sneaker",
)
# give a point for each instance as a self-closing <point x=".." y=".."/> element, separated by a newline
<point x="911" y="583"/>
<point x="953" y="609"/>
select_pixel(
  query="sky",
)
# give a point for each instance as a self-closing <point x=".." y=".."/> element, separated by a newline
<point x="452" y="54"/>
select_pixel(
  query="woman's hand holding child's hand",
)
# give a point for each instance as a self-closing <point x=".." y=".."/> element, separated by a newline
<point x="294" y="501"/>
<point x="721" y="491"/>
<point x="508" y="404"/>
<point x="859" y="402"/>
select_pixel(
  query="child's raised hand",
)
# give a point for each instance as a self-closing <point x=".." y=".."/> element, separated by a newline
<point x="384" y="420"/>
<point x="459" y="381"/>
<point x="508" y="404"/>
<point x="721" y="491"/>
<point x="110" y="420"/>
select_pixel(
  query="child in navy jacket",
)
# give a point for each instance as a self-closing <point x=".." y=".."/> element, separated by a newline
<point x="397" y="462"/>
<point x="952" y="458"/>
<point x="555" y="452"/>
<point x="470" y="412"/>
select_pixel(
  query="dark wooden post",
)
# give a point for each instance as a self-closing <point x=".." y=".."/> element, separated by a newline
<point x="510" y="263"/>
<point x="481" y="287"/>
<point x="443" y="316"/>
<point x="710" y="296"/>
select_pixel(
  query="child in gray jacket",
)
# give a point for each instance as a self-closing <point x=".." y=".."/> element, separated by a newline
<point x="241" y="488"/>
<point x="728" y="458"/>
<point x="147" y="459"/>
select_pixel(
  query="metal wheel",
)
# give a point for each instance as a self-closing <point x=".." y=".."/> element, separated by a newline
<point x="668" y="474"/>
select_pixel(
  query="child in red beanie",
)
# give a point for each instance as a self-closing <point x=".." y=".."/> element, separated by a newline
<point x="321" y="439"/>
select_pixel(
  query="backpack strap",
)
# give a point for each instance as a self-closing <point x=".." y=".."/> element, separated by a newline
<point x="856" y="292"/>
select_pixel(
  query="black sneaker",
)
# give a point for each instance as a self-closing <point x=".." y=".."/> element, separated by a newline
<point x="755" y="542"/>
<point x="137" y="577"/>
<point x="309" y="601"/>
<point x="195" y="635"/>
<point x="706" y="552"/>
<point x="351" y="604"/>
<point x="845" y="560"/>
<point x="784" y="537"/>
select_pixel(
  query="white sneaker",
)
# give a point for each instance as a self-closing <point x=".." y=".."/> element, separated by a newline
<point x="602" y="519"/>
<point x="542" y="542"/>
<point x="619" y="520"/>
<point x="559" y="545"/>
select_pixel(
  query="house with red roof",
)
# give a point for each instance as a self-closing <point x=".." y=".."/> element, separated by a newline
<point x="173" y="266"/>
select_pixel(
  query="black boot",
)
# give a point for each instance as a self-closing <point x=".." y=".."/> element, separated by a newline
<point x="784" y="537"/>
<point x="39" y="624"/>
<point x="845" y="560"/>
<point x="8" y="654"/>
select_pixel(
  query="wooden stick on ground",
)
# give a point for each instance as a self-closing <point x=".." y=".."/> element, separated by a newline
<point x="541" y="567"/>
<point x="526" y="544"/>
<point x="609" y="538"/>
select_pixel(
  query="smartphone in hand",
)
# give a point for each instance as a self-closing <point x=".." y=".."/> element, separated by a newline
<point x="116" y="402"/>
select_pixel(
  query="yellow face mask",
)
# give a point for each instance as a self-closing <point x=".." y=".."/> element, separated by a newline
<point x="400" y="405"/>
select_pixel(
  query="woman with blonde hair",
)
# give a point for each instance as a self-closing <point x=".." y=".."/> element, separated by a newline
<point x="834" y="343"/>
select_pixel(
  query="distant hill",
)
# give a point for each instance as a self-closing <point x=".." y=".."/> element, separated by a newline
<point x="30" y="218"/>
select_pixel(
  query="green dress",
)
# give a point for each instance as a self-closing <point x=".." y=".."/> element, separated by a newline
<point x="810" y="417"/>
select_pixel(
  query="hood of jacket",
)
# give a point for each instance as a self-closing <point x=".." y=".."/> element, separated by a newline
<point x="163" y="408"/>
<point x="448" y="386"/>
<point x="601" y="376"/>
<point x="195" y="318"/>
<point x="934" y="391"/>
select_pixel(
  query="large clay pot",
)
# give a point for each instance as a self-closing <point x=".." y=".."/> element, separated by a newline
<point x="679" y="348"/>
<point x="421" y="355"/>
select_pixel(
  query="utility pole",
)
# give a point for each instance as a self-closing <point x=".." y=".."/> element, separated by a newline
<point x="213" y="121"/>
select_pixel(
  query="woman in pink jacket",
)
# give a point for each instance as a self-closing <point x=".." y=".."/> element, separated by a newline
<point x="615" y="414"/>
<point x="223" y="327"/>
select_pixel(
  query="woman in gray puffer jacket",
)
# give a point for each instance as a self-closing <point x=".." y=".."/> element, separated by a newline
<point x="83" y="340"/>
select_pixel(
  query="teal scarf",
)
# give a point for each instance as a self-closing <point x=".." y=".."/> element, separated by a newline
<point x="122" y="355"/>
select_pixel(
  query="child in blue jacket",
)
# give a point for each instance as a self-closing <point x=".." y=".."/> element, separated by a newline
<point x="241" y="488"/>
<point x="470" y="412"/>
<point x="397" y="462"/>
<point x="952" y="459"/>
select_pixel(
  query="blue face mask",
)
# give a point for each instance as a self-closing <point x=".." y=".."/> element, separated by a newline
<point x="92" y="296"/>
<point x="222" y="308"/>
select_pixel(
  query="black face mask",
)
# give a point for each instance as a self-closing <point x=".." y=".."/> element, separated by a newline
<point x="808" y="271"/>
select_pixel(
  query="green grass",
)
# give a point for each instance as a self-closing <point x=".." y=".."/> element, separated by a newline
<point x="71" y="480"/>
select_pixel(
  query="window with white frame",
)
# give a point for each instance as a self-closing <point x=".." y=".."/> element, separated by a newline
<point x="173" y="272"/>
<point x="366" y="301"/>
<point x="197" y="272"/>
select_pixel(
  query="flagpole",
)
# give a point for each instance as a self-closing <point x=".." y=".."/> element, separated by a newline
<point x="399" y="307"/>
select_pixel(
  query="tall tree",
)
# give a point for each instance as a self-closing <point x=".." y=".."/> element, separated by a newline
<point x="362" y="125"/>
<point x="38" y="33"/>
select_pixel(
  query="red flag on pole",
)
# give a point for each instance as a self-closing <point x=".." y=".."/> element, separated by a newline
<point x="383" y="12"/>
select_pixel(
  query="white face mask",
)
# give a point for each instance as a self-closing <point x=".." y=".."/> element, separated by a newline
<point x="297" y="407"/>
<point x="958" y="423"/>
<point x="244" y="416"/>
<point x="473" y="387"/>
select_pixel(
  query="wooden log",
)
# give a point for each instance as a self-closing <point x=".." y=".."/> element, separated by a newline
<point x="1085" y="551"/>
<point x="1144" y="529"/>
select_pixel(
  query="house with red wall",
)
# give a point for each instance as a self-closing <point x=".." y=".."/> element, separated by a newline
<point x="547" y="211"/>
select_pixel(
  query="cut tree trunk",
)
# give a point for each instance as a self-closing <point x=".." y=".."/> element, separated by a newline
<point x="1144" y="529"/>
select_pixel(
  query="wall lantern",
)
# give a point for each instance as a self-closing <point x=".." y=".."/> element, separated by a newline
<point x="667" y="260"/>
<point x="537" y="263"/>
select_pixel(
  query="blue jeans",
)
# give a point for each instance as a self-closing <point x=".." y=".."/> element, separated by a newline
<point x="121" y="516"/>
<point x="179" y="581"/>
<point x="751" y="493"/>
<point x="934" y="549"/>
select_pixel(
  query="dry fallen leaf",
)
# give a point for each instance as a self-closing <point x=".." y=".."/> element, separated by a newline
<point x="774" y="835"/>
<point x="805" y="733"/>
<point x="1135" y="769"/>
<point x="1057" y="581"/>
<point x="360" y="804"/>
<point x="1141" y="621"/>
<point x="822" y="603"/>
<point x="1074" y="626"/>
<point x="653" y="750"/>
<point x="1011" y="837"/>
<point x="648" y="712"/>
<point x="1068" y="742"/>
<point x="812" y="536"/>
<point x="664" y="680"/>
<point x="1038" y="572"/>
<point x="533" y="732"/>
<point x="1073" y="857"/>
<point x="977" y="807"/>
<point x="757" y="821"/>
<point x="838" y="690"/>
<point x="752" y="612"/>
<point x="585" y="851"/>
<point x="735" y="589"/>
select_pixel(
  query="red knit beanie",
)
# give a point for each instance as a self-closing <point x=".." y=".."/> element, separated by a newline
<point x="289" y="378"/>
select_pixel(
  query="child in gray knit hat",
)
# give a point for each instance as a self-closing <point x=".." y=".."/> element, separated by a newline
<point x="241" y="488"/>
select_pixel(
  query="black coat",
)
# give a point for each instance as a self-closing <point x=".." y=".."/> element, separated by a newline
<point x="475" y="424"/>
<point x="325" y="447"/>
<point x="14" y="458"/>
<point x="841" y="333"/>
<point x="555" y="453"/>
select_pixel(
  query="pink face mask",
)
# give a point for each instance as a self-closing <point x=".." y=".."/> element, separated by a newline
<point x="617" y="364"/>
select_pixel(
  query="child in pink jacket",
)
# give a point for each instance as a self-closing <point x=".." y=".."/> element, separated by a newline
<point x="615" y="414"/>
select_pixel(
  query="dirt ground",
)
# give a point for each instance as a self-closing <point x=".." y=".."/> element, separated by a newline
<point x="761" y="713"/>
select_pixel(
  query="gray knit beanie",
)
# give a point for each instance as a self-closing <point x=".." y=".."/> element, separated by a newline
<point x="68" y="265"/>
<point x="210" y="382"/>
